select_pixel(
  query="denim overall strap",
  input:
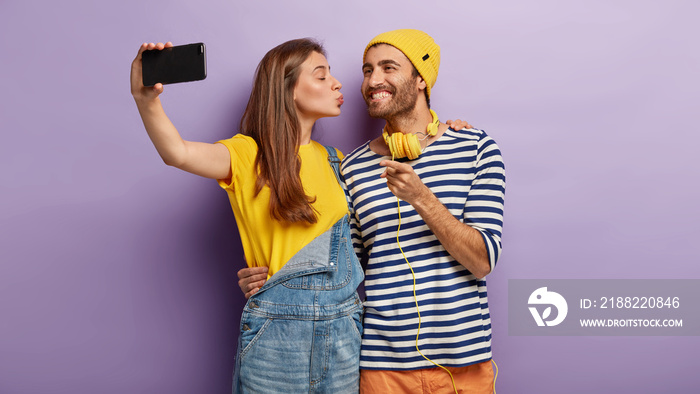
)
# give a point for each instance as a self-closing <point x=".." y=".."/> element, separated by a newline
<point x="334" y="161"/>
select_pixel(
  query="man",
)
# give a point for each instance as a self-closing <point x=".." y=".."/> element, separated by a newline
<point x="451" y="212"/>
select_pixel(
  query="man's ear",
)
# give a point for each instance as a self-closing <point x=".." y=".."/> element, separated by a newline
<point x="422" y="85"/>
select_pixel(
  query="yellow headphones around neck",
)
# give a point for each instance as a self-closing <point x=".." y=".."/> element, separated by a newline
<point x="408" y="145"/>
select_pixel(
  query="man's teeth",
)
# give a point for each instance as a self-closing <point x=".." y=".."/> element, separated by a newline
<point x="380" y="95"/>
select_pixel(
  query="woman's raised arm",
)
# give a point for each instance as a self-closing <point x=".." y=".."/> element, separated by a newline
<point x="204" y="159"/>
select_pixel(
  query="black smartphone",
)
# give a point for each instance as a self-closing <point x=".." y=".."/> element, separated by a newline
<point x="182" y="63"/>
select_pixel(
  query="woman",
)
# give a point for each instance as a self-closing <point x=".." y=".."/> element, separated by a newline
<point x="302" y="330"/>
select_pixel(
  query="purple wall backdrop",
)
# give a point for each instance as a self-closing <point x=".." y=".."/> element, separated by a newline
<point x="117" y="273"/>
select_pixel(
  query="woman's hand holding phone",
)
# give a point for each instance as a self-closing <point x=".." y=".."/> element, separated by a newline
<point x="143" y="94"/>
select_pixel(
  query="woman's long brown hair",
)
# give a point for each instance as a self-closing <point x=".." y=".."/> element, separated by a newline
<point x="271" y="120"/>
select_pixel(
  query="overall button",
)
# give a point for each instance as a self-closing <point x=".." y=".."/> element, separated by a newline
<point x="252" y="305"/>
<point x="246" y="328"/>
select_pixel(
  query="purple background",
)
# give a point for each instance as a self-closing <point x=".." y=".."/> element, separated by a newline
<point x="117" y="272"/>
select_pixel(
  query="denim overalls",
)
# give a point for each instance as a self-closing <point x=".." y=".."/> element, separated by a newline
<point x="301" y="332"/>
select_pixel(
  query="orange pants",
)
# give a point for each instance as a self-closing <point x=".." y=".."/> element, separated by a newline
<point x="476" y="378"/>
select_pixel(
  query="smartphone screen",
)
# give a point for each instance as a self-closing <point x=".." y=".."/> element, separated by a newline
<point x="183" y="63"/>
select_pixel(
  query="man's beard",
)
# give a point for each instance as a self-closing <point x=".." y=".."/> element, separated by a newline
<point x="402" y="101"/>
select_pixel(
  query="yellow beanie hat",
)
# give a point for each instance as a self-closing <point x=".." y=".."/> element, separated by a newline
<point x="418" y="47"/>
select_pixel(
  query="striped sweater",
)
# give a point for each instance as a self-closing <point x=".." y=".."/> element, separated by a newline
<point x="464" y="169"/>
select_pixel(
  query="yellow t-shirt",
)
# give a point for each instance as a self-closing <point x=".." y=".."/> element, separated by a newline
<point x="266" y="241"/>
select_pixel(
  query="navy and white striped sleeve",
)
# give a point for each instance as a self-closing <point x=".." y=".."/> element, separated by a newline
<point x="484" y="208"/>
